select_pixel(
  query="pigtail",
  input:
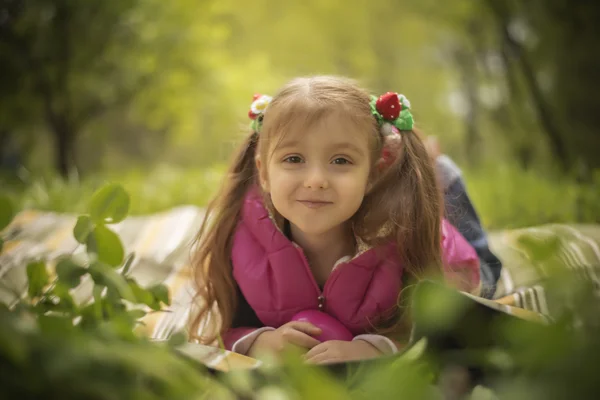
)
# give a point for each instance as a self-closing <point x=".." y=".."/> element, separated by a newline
<point x="211" y="261"/>
<point x="420" y="208"/>
<point x="404" y="205"/>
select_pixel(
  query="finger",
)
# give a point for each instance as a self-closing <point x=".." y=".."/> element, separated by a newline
<point x="305" y="327"/>
<point x="300" y="339"/>
<point x="327" y="359"/>
<point x="322" y="358"/>
<point x="320" y="348"/>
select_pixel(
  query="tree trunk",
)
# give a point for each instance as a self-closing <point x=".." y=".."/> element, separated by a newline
<point x="549" y="126"/>
<point x="468" y="70"/>
<point x="64" y="147"/>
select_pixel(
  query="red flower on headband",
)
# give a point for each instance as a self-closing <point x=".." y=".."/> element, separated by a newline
<point x="388" y="105"/>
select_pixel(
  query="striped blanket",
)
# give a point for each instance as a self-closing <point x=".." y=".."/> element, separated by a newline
<point x="161" y="243"/>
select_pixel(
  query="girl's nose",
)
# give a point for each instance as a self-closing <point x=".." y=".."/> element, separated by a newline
<point x="316" y="179"/>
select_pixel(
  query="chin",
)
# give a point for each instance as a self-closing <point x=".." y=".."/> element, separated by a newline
<point x="312" y="229"/>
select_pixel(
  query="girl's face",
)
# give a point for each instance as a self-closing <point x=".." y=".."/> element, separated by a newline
<point x="317" y="178"/>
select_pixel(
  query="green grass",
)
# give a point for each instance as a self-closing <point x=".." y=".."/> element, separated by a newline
<point x="505" y="197"/>
<point x="151" y="191"/>
<point x="508" y="197"/>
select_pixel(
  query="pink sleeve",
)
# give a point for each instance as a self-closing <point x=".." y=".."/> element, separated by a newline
<point x="461" y="264"/>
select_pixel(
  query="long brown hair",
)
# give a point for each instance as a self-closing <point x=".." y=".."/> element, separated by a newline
<point x="402" y="203"/>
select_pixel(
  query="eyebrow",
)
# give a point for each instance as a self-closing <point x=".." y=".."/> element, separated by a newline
<point x="347" y="146"/>
<point x="287" y="144"/>
<point x="335" y="146"/>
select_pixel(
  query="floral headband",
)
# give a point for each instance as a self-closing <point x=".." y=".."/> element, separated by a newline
<point x="391" y="110"/>
<point x="257" y="108"/>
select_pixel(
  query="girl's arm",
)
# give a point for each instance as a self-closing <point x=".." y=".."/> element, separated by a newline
<point x="384" y="344"/>
<point x="245" y="327"/>
<point x="390" y="341"/>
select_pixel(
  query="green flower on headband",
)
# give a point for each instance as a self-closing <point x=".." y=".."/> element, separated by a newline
<point x="256" y="124"/>
<point x="393" y="108"/>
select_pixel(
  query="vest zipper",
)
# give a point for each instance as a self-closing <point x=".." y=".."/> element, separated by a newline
<point x="321" y="298"/>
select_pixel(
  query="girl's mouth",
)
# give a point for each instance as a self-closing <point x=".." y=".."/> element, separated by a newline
<point x="315" y="203"/>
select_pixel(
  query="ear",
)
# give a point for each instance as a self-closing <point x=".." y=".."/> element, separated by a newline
<point x="262" y="174"/>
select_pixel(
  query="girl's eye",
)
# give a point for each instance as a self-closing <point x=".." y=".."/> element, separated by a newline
<point x="341" y="161"/>
<point x="293" y="160"/>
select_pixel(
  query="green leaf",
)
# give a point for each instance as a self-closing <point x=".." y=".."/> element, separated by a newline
<point x="66" y="300"/>
<point x="103" y="275"/>
<point x="69" y="273"/>
<point x="83" y="228"/>
<point x="160" y="293"/>
<point x="113" y="295"/>
<point x="115" y="307"/>
<point x="54" y="325"/>
<point x="128" y="263"/>
<point x="7" y="212"/>
<point x="136" y="314"/>
<point x="37" y="277"/>
<point x="120" y="326"/>
<point x="107" y="245"/>
<point x="178" y="339"/>
<point x="142" y="295"/>
<point x="110" y="204"/>
<point x="88" y="316"/>
<point x="97" y="304"/>
<point x="45" y="305"/>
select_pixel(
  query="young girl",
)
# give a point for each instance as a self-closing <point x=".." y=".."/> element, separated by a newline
<point x="331" y="204"/>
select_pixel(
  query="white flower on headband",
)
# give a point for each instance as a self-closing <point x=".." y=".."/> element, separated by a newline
<point x="404" y="101"/>
<point x="259" y="105"/>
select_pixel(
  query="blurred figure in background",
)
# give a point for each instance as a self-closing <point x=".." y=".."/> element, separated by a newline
<point x="461" y="213"/>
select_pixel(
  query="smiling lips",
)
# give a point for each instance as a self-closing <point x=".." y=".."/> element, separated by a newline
<point x="315" y="203"/>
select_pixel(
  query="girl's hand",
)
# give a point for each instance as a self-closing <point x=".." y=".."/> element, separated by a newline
<point x="295" y="333"/>
<point x="340" y="351"/>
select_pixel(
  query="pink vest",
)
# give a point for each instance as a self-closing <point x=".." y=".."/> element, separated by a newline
<point x="275" y="278"/>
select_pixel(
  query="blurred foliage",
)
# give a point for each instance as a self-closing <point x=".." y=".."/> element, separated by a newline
<point x="508" y="197"/>
<point x="505" y="196"/>
<point x="114" y="295"/>
<point x="152" y="190"/>
<point x="118" y="89"/>
<point x="116" y="83"/>
<point x="51" y="346"/>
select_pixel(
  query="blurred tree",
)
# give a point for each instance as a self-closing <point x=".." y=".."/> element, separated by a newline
<point x="534" y="59"/>
<point x="154" y="80"/>
<point x="563" y="37"/>
<point x="67" y="62"/>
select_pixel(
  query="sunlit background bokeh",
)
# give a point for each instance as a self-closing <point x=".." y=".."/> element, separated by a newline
<point x="154" y="94"/>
